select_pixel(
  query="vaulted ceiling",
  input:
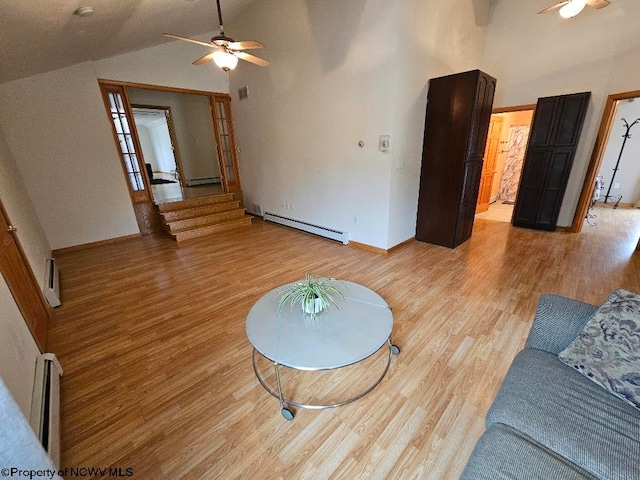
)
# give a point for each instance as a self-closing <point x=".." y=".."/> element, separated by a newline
<point x="39" y="36"/>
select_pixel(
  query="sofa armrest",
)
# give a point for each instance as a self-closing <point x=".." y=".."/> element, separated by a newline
<point x="557" y="322"/>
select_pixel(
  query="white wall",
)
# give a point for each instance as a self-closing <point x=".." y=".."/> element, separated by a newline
<point x="21" y="213"/>
<point x="328" y="87"/>
<point x="435" y="38"/>
<point x="628" y="175"/>
<point x="72" y="171"/>
<point x="59" y="135"/>
<point x="161" y="145"/>
<point x="147" y="146"/>
<point x="536" y="56"/>
<point x="342" y="72"/>
<point x="18" y="351"/>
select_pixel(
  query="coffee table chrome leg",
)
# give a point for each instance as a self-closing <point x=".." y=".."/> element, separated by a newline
<point x="393" y="347"/>
<point x="286" y="412"/>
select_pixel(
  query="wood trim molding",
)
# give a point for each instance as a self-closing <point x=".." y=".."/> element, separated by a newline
<point x="161" y="88"/>
<point x="402" y="244"/>
<point x="602" y="139"/>
<point x="371" y="248"/>
<point x="86" y="246"/>
<point x="517" y="108"/>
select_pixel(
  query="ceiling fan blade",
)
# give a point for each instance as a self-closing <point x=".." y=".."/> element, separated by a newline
<point x="553" y="7"/>
<point x="204" y="59"/>
<point x="192" y="40"/>
<point x="251" y="59"/>
<point x="245" y="45"/>
<point x="598" y="4"/>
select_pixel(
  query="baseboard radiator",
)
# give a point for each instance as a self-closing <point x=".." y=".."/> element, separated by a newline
<point x="342" y="237"/>
<point x="202" y="181"/>
<point x="52" y="283"/>
<point x="45" y="405"/>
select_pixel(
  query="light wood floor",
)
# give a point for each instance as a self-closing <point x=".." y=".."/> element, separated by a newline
<point x="498" y="211"/>
<point x="173" y="192"/>
<point x="158" y="373"/>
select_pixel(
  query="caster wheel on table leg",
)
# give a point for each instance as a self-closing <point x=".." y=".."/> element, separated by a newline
<point x="286" y="413"/>
<point x="395" y="349"/>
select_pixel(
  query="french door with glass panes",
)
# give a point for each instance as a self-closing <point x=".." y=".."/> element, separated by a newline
<point x="226" y="142"/>
<point x="124" y="132"/>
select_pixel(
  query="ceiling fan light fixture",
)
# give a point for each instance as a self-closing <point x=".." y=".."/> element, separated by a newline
<point x="225" y="60"/>
<point x="573" y="8"/>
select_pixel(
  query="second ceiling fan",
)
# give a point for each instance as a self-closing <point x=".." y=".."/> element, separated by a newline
<point x="227" y="50"/>
<point x="571" y="8"/>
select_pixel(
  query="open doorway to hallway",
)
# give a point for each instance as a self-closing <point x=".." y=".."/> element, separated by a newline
<point x="620" y="170"/>
<point x="178" y="144"/>
<point x="620" y="111"/>
<point x="504" y="157"/>
<point x="617" y="183"/>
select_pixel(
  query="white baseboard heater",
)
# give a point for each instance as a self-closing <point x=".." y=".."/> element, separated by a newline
<point x="45" y="405"/>
<point x="202" y="181"/>
<point x="52" y="283"/>
<point x="342" y="237"/>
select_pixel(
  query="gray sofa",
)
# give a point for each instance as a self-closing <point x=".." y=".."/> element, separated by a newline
<point x="548" y="421"/>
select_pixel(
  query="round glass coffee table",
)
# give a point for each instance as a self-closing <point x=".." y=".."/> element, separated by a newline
<point x="334" y="339"/>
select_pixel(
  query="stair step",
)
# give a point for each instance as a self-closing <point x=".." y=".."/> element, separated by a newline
<point x="200" y="211"/>
<point x="209" y="229"/>
<point x="195" y="202"/>
<point x="203" y="221"/>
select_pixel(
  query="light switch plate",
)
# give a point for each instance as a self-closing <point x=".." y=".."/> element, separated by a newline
<point x="384" y="143"/>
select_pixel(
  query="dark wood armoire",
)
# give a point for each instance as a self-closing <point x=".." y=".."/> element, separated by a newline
<point x="457" y="120"/>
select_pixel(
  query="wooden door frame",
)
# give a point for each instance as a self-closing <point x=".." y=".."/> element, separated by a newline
<point x="597" y="155"/>
<point x="172" y="135"/>
<point x="484" y="164"/>
<point x="137" y="196"/>
<point x="226" y="100"/>
<point x="40" y="342"/>
<point x="518" y="108"/>
<point x="212" y="97"/>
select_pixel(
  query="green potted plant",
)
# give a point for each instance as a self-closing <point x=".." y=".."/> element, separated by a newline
<point x="314" y="295"/>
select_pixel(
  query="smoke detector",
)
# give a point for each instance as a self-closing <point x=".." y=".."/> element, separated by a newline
<point x="84" y="11"/>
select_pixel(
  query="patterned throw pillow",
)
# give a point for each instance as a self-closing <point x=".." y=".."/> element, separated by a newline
<point x="608" y="349"/>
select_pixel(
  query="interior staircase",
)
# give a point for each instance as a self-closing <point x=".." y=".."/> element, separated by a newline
<point x="196" y="217"/>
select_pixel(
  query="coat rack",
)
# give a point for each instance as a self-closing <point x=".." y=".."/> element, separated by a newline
<point x="626" y="136"/>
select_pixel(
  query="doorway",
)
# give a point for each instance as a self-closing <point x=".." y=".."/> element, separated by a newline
<point x="178" y="143"/>
<point x="511" y="128"/>
<point x="207" y="163"/>
<point x="610" y="118"/>
<point x="613" y="177"/>
<point x="160" y="148"/>
<point x="157" y="141"/>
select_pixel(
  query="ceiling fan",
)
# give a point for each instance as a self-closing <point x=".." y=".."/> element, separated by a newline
<point x="228" y="51"/>
<point x="571" y="8"/>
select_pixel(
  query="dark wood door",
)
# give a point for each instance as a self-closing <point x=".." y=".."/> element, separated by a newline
<point x="473" y="161"/>
<point x="22" y="283"/>
<point x="555" y="132"/>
